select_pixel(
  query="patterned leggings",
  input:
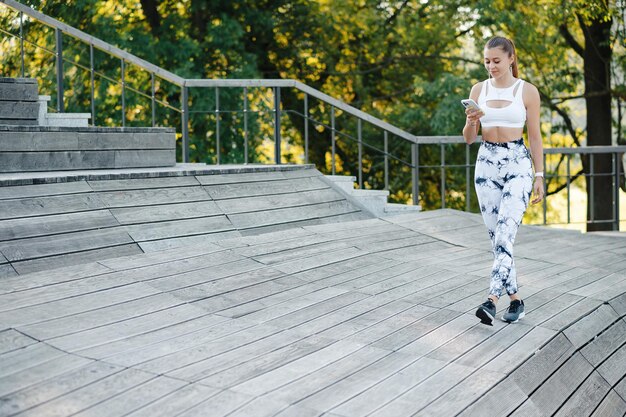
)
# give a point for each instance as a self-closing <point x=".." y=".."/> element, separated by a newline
<point x="504" y="181"/>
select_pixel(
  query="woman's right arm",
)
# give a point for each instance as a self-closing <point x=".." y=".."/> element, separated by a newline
<point x="472" y="124"/>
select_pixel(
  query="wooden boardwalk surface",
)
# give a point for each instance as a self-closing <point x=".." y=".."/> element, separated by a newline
<point x="365" y="318"/>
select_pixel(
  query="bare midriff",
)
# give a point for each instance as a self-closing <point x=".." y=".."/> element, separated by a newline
<point x="501" y="134"/>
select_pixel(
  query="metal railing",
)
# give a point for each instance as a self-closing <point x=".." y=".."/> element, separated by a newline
<point x="398" y="152"/>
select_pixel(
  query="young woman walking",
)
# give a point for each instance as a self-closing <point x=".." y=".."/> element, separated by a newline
<point x="504" y="178"/>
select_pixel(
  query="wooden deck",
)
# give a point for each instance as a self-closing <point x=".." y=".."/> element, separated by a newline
<point x="365" y="318"/>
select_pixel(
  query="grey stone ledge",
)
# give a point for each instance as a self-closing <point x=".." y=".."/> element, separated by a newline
<point x="97" y="129"/>
<point x="18" y="80"/>
<point x="179" y="170"/>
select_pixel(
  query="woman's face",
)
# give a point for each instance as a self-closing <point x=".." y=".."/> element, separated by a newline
<point x="497" y="61"/>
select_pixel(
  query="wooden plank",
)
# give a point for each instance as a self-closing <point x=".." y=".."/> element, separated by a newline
<point x="532" y="373"/>
<point x="55" y="224"/>
<point x="550" y="396"/>
<point x="11" y="340"/>
<point x="491" y="403"/>
<point x="219" y="405"/>
<point x="586" y="398"/>
<point x="106" y="315"/>
<point x="41" y="373"/>
<point x="327" y="376"/>
<point x="440" y="335"/>
<point x="605" y="344"/>
<point x="591" y="325"/>
<point x="408" y="334"/>
<point x="64" y="307"/>
<point x="20" y="360"/>
<point x="620" y="388"/>
<point x="7" y="271"/>
<point x="142" y="183"/>
<point x="611" y="406"/>
<point x="186" y="241"/>
<point x="500" y="342"/>
<point x="152" y="196"/>
<point x="572" y="314"/>
<point x="250" y="189"/>
<point x="176" y="402"/>
<point x="387" y="389"/>
<point x="602" y="284"/>
<point x="278" y="246"/>
<point x="116" y="331"/>
<point x="521" y="350"/>
<point x="170" y="354"/>
<point x="90" y="395"/>
<point x="231" y="286"/>
<point x="178" y="228"/>
<point x="56" y="276"/>
<point x="134" y="398"/>
<point x="425" y="392"/>
<point x="43" y="190"/>
<point x="212" y="369"/>
<point x="299" y="252"/>
<point x="40" y="394"/>
<point x="271" y="228"/>
<point x="141" y="341"/>
<point x="158" y="213"/>
<point x="50" y="262"/>
<point x="292" y="267"/>
<point x="46" y="294"/>
<point x="614" y="368"/>
<point x="40" y="206"/>
<point x="241" y="177"/>
<point x="297" y="369"/>
<point x="271" y="202"/>
<point x="24" y="249"/>
<point x="260" y="407"/>
<point x="551" y="309"/>
<point x="462" y="395"/>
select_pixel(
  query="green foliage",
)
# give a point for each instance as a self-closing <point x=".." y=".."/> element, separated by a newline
<point x="406" y="62"/>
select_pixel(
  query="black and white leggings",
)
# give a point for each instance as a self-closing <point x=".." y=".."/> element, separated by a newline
<point x="504" y="182"/>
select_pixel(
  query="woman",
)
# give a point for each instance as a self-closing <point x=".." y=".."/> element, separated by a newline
<point x="504" y="177"/>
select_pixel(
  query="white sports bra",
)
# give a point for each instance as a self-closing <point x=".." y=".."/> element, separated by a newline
<point x="513" y="115"/>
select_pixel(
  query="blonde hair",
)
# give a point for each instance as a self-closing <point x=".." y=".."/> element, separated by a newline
<point x="507" y="46"/>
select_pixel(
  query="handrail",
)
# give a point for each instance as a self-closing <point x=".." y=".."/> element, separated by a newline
<point x="183" y="82"/>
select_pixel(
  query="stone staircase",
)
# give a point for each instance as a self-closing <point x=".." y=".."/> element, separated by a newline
<point x="33" y="140"/>
<point x="373" y="201"/>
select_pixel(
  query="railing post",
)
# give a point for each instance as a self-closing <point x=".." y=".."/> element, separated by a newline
<point x="415" y="172"/>
<point x="245" y="125"/>
<point x="59" y="67"/>
<point x="467" y="178"/>
<point x="306" y="128"/>
<point x="277" y="152"/>
<point x="152" y="99"/>
<point x="360" y="139"/>
<point x="443" y="176"/>
<point x="185" y="122"/>
<point x="616" y="162"/>
<point x="218" y="145"/>
<point x="92" y="85"/>
<point x="22" y="40"/>
<point x="591" y="188"/>
<point x="545" y="190"/>
<point x="386" y="145"/>
<point x="332" y="140"/>
<point x="123" y="93"/>
<point x="568" y="182"/>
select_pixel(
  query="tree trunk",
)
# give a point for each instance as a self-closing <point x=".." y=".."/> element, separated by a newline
<point x="152" y="15"/>
<point x="597" y="59"/>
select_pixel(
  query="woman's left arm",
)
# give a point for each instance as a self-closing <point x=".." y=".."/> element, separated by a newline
<point x="532" y="101"/>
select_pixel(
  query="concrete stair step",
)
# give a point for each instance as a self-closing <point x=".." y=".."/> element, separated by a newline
<point x="60" y="119"/>
<point x="48" y="148"/>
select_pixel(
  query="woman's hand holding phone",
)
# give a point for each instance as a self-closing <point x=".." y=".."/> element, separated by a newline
<point x="473" y="111"/>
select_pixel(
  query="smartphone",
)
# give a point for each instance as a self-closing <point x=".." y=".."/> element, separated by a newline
<point x="470" y="104"/>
